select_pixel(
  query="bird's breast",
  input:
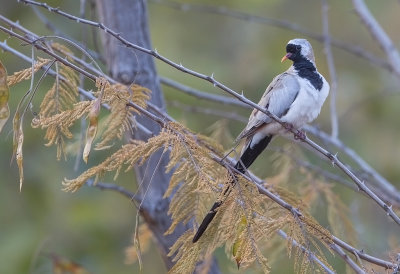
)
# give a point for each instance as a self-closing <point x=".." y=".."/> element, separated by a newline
<point x="307" y="105"/>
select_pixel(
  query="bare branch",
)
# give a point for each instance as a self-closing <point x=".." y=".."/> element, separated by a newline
<point x="332" y="70"/>
<point x="209" y="111"/>
<point x="58" y="32"/>
<point x="379" y="34"/>
<point x="107" y="186"/>
<point x="362" y="255"/>
<point x="383" y="184"/>
<point x="305" y="250"/>
<point x="350" y="48"/>
<point x="347" y="259"/>
<point x="201" y="94"/>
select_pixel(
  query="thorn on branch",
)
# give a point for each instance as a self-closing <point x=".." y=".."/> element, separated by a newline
<point x="331" y="157"/>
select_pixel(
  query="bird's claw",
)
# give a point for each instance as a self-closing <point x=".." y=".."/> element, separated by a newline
<point x="287" y="126"/>
<point x="300" y="135"/>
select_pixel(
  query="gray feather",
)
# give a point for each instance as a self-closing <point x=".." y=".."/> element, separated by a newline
<point x="277" y="99"/>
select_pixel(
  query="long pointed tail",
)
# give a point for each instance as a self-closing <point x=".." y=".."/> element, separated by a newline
<point x="206" y="221"/>
<point x="246" y="159"/>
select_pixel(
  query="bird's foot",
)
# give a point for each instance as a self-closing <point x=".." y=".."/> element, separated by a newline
<point x="288" y="126"/>
<point x="300" y="135"/>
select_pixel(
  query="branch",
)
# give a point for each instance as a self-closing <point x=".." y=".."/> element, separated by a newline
<point x="331" y="157"/>
<point x="209" y="111"/>
<point x="385" y="185"/>
<point x="332" y="70"/>
<point x="379" y="34"/>
<point x="350" y="48"/>
<point x="305" y="250"/>
<point x="58" y="32"/>
<point x="347" y="259"/>
<point x="201" y="94"/>
<point x="362" y="255"/>
<point x="106" y="186"/>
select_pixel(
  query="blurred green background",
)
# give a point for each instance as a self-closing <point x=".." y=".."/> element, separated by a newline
<point x="93" y="227"/>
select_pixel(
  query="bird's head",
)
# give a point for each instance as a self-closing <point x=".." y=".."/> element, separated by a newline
<point x="298" y="49"/>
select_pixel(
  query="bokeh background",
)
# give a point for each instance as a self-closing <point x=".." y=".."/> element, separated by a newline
<point x="93" y="227"/>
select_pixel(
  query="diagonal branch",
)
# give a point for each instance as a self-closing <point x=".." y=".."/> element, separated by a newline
<point x="385" y="185"/>
<point x="379" y="34"/>
<point x="201" y="94"/>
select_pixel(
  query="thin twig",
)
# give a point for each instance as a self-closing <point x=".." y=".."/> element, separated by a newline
<point x="332" y="70"/>
<point x="318" y="170"/>
<point x="385" y="185"/>
<point x="78" y="157"/>
<point x="350" y="48"/>
<point x="379" y="34"/>
<point x="117" y="188"/>
<point x="224" y="114"/>
<point x="347" y="259"/>
<point x="305" y="250"/>
<point x="58" y="32"/>
<point x="363" y="255"/>
<point x="221" y="99"/>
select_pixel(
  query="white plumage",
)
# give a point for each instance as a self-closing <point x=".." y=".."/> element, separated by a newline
<point x="295" y="96"/>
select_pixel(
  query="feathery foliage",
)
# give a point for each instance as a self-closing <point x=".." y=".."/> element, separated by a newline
<point x="120" y="119"/>
<point x="4" y="96"/>
<point x="246" y="223"/>
<point x="61" y="97"/>
<point x="26" y="74"/>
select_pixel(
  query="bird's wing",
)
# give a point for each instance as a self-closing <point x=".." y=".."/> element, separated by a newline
<point x="277" y="98"/>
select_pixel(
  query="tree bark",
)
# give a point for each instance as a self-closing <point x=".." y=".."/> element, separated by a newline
<point x="129" y="17"/>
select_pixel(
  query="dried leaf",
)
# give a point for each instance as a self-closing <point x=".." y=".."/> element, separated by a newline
<point x="19" y="157"/>
<point x="238" y="244"/>
<point x="92" y="128"/>
<point x="63" y="265"/>
<point x="18" y="140"/>
<point x="140" y="243"/>
<point x="4" y="96"/>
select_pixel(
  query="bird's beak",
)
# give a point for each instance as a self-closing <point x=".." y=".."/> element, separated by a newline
<point x="287" y="56"/>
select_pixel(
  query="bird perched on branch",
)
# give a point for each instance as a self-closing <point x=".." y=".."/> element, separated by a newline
<point x="295" y="96"/>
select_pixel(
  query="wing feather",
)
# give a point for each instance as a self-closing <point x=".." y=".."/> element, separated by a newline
<point x="277" y="98"/>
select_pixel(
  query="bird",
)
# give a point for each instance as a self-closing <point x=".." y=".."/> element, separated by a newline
<point x="295" y="96"/>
